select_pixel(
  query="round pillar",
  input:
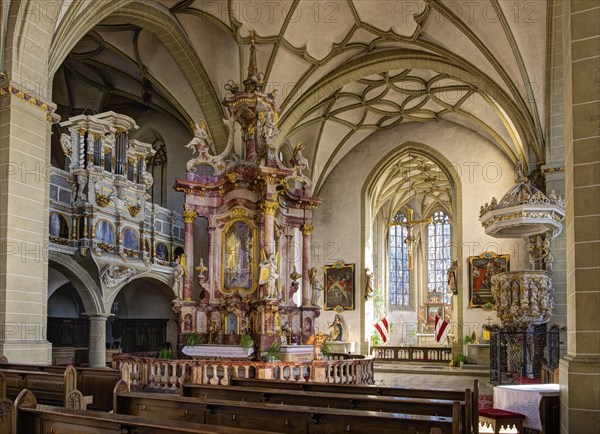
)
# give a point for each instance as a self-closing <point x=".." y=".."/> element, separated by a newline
<point x="97" y="352"/>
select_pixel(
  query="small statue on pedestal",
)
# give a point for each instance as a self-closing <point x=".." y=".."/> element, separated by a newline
<point x="316" y="287"/>
<point x="179" y="272"/>
<point x="452" y="289"/>
<point x="337" y="329"/>
<point x="369" y="287"/>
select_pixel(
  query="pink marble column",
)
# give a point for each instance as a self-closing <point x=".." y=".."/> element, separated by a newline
<point x="306" y="264"/>
<point x="269" y="208"/>
<point x="188" y="248"/>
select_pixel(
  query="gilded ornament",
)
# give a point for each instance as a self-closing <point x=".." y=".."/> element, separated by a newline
<point x="238" y="213"/>
<point x="232" y="177"/>
<point x="269" y="207"/>
<point x="102" y="200"/>
<point x="134" y="210"/>
<point x="307" y="229"/>
<point x="189" y="216"/>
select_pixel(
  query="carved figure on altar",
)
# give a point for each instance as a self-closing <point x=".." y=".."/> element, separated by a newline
<point x="269" y="275"/>
<point x="200" y="144"/>
<point x="238" y="256"/>
<point x="452" y="289"/>
<point x="370" y="278"/>
<point x="299" y="161"/>
<point x="81" y="183"/>
<point x="337" y="329"/>
<point x="316" y="286"/>
<point x="179" y="273"/>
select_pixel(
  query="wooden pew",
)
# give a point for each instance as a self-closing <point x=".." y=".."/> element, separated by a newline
<point x="33" y="418"/>
<point x="471" y="397"/>
<point x="96" y="382"/>
<point x="59" y="389"/>
<point x="7" y="411"/>
<point x="390" y="404"/>
<point x="293" y="419"/>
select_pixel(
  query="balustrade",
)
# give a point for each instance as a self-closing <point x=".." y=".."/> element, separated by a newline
<point x="142" y="371"/>
<point x="413" y="354"/>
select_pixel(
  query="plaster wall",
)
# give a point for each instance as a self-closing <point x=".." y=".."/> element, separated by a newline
<point x="339" y="222"/>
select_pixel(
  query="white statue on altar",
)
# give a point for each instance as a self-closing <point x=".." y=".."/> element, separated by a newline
<point x="200" y="144"/>
<point x="179" y="273"/>
<point x="269" y="276"/>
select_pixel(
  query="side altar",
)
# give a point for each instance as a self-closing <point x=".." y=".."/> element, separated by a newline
<point x="259" y="213"/>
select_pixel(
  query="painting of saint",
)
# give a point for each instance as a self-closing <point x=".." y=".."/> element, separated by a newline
<point x="339" y="289"/>
<point x="130" y="239"/>
<point x="238" y="256"/>
<point x="481" y="270"/>
<point x="105" y="232"/>
<point x="59" y="227"/>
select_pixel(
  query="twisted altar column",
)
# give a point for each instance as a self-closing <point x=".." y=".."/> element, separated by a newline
<point x="306" y="264"/>
<point x="188" y="247"/>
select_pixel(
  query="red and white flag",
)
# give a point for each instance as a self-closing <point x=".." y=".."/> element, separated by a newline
<point x="383" y="328"/>
<point x="441" y="329"/>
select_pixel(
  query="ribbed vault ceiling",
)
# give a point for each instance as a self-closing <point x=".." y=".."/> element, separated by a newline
<point x="344" y="69"/>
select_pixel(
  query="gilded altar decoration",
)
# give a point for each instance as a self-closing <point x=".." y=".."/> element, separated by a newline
<point x="134" y="210"/>
<point x="102" y="200"/>
<point x="239" y="257"/>
<point x="253" y="201"/>
<point x="189" y="216"/>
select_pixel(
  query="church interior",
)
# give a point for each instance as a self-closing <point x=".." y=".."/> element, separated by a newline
<point x="308" y="202"/>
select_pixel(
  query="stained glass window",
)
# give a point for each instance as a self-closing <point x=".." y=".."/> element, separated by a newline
<point x="438" y="253"/>
<point x="399" y="273"/>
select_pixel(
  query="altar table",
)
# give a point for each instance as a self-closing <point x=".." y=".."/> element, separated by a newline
<point x="217" y="351"/>
<point x="535" y="401"/>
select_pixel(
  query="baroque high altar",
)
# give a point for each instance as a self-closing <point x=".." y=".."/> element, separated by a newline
<point x="259" y="214"/>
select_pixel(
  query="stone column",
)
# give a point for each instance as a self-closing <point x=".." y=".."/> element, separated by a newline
<point x="580" y="369"/>
<point x="188" y="284"/>
<point x="98" y="339"/>
<point x="306" y="264"/>
<point x="269" y="209"/>
<point x="24" y="189"/>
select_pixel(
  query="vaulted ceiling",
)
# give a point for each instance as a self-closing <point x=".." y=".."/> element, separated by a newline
<point x="344" y="68"/>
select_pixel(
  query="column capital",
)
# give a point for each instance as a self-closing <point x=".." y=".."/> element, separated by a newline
<point x="98" y="316"/>
<point x="189" y="216"/>
<point x="269" y="207"/>
<point x="307" y="229"/>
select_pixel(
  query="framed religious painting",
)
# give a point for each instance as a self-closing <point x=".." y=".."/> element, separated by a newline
<point x="481" y="270"/>
<point x="339" y="287"/>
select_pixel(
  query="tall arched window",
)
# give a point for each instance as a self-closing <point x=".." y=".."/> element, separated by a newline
<point x="438" y="253"/>
<point x="399" y="274"/>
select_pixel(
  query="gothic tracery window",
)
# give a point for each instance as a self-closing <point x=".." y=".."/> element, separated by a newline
<point x="438" y="253"/>
<point x="399" y="273"/>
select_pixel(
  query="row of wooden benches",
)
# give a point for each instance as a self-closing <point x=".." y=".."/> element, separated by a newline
<point x="290" y="407"/>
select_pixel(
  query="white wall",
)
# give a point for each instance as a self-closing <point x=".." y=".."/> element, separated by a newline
<point x="484" y="172"/>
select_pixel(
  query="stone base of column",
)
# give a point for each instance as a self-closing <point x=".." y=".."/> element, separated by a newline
<point x="31" y="353"/>
<point x="579" y="379"/>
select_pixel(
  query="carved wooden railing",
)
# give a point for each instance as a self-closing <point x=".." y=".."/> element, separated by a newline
<point x="143" y="371"/>
<point x="412" y="354"/>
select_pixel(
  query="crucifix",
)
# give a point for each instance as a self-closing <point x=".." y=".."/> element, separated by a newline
<point x="408" y="224"/>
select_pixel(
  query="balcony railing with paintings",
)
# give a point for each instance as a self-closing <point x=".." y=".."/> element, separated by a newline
<point x="125" y="232"/>
<point x="144" y="371"/>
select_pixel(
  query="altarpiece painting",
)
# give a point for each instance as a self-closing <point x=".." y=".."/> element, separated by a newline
<point x="239" y="256"/>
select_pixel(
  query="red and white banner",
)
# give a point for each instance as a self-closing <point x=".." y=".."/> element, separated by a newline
<point x="383" y="328"/>
<point x="442" y="327"/>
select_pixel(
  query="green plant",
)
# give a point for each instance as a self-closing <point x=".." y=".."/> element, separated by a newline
<point x="273" y="352"/>
<point x="246" y="342"/>
<point x="460" y="359"/>
<point x="375" y="338"/>
<point x="326" y="350"/>
<point x="468" y="340"/>
<point x="165" y="353"/>
<point x="192" y="339"/>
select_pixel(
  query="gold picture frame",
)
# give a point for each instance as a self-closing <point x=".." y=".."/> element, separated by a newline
<point x="481" y="269"/>
<point x="339" y="287"/>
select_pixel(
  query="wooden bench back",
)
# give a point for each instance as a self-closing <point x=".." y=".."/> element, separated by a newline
<point x="289" y="418"/>
<point x="34" y="418"/>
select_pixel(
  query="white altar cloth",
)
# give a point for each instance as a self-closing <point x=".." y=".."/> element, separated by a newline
<point x="524" y="399"/>
<point x="213" y="351"/>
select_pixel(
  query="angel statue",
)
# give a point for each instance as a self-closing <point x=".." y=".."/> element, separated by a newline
<point x="299" y="161"/>
<point x="269" y="275"/>
<point x="199" y="144"/>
